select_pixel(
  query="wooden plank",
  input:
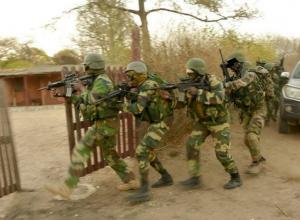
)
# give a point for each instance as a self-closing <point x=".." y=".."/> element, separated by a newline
<point x="78" y="124"/>
<point x="2" y="160"/>
<point x="7" y="155"/>
<point x="70" y="127"/>
<point x="121" y="134"/>
<point x="130" y="128"/>
<point x="26" y="91"/>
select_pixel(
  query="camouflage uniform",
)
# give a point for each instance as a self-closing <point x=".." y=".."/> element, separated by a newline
<point x="103" y="131"/>
<point x="249" y="93"/>
<point x="207" y="109"/>
<point x="273" y="102"/>
<point x="151" y="107"/>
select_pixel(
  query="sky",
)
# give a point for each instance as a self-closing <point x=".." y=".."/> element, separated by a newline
<point x="25" y="20"/>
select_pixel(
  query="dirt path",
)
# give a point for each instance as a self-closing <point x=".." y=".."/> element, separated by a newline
<point x="42" y="151"/>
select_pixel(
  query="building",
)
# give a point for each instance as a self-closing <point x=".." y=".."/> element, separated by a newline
<point x="21" y="85"/>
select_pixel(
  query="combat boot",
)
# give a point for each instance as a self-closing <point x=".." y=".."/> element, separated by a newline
<point x="60" y="189"/>
<point x="165" y="180"/>
<point x="235" y="181"/>
<point x="131" y="185"/>
<point x="191" y="183"/>
<point x="256" y="166"/>
<point x="141" y="196"/>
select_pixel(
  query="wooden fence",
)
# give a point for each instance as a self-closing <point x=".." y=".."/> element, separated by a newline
<point x="126" y="140"/>
<point x="9" y="174"/>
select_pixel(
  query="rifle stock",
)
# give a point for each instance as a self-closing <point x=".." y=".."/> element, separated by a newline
<point x="224" y="68"/>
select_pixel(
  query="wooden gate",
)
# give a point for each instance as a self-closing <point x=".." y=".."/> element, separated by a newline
<point x="126" y="140"/>
<point x="9" y="174"/>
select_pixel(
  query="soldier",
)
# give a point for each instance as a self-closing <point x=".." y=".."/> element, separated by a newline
<point x="103" y="131"/>
<point x="267" y="82"/>
<point x="273" y="104"/>
<point x="249" y="96"/>
<point x="151" y="106"/>
<point x="207" y="108"/>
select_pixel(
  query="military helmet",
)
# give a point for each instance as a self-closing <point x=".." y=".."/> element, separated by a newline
<point x="240" y="57"/>
<point x="235" y="57"/>
<point x="261" y="62"/>
<point x="136" y="66"/>
<point x="198" y="65"/>
<point x="94" y="61"/>
<point x="269" y="66"/>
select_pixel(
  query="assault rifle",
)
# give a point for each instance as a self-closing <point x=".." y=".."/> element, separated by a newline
<point x="182" y="86"/>
<point x="226" y="75"/>
<point x="68" y="83"/>
<point x="280" y="67"/>
<point x="121" y="91"/>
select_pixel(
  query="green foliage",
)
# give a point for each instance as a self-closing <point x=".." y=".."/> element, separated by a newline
<point x="105" y="30"/>
<point x="15" y="64"/>
<point x="67" y="56"/>
<point x="17" y="55"/>
<point x="184" y="43"/>
<point x="253" y="48"/>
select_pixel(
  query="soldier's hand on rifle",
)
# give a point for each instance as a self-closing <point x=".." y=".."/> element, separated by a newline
<point x="57" y="92"/>
<point x="193" y="90"/>
<point x="78" y="86"/>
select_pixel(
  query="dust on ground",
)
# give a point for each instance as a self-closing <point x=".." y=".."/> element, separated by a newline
<point x="42" y="148"/>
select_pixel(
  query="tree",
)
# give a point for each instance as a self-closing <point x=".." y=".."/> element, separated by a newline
<point x="14" y="54"/>
<point x="8" y="48"/>
<point x="67" y="56"/>
<point x="105" y="30"/>
<point x="207" y="11"/>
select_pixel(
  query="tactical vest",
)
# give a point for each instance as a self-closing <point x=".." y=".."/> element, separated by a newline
<point x="103" y="110"/>
<point x="251" y="97"/>
<point x="160" y="106"/>
<point x="210" y="114"/>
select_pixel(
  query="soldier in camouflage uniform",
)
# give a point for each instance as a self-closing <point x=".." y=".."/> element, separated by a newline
<point x="103" y="131"/>
<point x="207" y="108"/>
<point x="273" y="104"/>
<point x="249" y="96"/>
<point x="149" y="105"/>
<point x="266" y="78"/>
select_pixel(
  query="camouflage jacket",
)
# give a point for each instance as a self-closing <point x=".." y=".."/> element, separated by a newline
<point x="267" y="81"/>
<point x="208" y="107"/>
<point x="150" y="105"/>
<point x="248" y="92"/>
<point x="100" y="87"/>
<point x="275" y="79"/>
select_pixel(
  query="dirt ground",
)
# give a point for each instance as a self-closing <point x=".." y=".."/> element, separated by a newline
<point x="41" y="142"/>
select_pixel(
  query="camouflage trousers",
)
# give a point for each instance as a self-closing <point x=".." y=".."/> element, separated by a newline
<point x="145" y="151"/>
<point x="272" y="109"/>
<point x="221" y="137"/>
<point x="102" y="133"/>
<point x="253" y="124"/>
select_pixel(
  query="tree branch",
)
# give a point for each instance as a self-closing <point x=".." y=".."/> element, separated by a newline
<point x="198" y="18"/>
<point x="115" y="7"/>
<point x="99" y="5"/>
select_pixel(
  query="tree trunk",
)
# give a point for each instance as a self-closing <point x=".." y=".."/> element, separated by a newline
<point x="146" y="41"/>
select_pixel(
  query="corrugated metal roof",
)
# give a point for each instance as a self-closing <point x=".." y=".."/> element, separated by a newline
<point x="36" y="70"/>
